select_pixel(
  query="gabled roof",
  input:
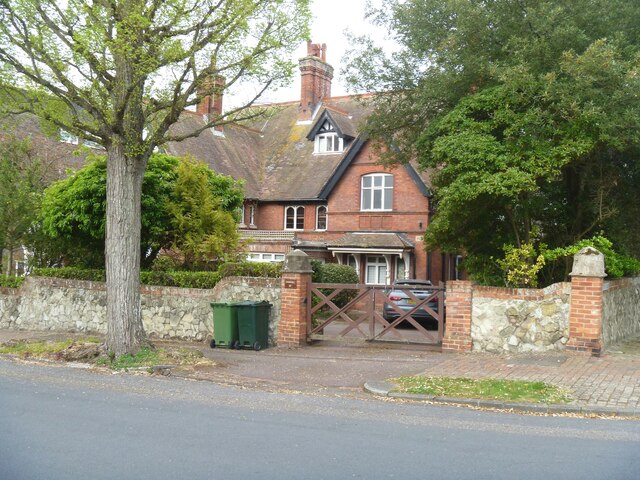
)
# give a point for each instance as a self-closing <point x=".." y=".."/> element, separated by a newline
<point x="275" y="153"/>
<point x="341" y="123"/>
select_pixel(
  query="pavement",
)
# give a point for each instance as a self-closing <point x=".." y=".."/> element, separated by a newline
<point x="605" y="385"/>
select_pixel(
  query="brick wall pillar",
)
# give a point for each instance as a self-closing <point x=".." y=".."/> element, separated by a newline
<point x="457" y="335"/>
<point x="296" y="283"/>
<point x="585" y="311"/>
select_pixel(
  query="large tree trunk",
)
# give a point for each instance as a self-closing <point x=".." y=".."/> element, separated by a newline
<point x="125" y="332"/>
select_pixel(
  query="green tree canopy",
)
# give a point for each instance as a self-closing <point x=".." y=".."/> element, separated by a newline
<point x="74" y="212"/>
<point x="21" y="186"/>
<point x="121" y="73"/>
<point x="526" y="112"/>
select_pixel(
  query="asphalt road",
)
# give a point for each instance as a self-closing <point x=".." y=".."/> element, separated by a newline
<point x="69" y="423"/>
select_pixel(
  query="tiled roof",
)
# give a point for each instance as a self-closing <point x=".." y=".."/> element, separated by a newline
<point x="273" y="155"/>
<point x="56" y="157"/>
<point x="372" y="240"/>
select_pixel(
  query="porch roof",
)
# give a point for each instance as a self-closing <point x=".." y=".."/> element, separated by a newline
<point x="364" y="242"/>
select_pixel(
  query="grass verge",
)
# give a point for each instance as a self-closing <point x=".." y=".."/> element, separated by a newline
<point x="149" y="357"/>
<point x="486" y="389"/>
<point x="88" y="350"/>
<point x="41" y="348"/>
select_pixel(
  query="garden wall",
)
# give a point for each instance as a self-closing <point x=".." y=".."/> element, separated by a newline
<point x="520" y="320"/>
<point x="620" y="309"/>
<point x="80" y="306"/>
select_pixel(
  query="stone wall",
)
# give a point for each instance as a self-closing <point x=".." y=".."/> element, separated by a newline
<point x="520" y="320"/>
<point x="621" y="309"/>
<point x="79" y="306"/>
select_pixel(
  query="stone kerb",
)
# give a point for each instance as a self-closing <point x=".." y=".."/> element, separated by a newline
<point x="586" y="308"/>
<point x="295" y="285"/>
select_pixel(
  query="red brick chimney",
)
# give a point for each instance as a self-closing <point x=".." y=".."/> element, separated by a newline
<point x="211" y="101"/>
<point x="316" y="76"/>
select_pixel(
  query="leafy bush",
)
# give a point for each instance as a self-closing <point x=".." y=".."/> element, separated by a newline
<point x="180" y="279"/>
<point x="250" y="269"/>
<point x="483" y="270"/>
<point x="616" y="265"/>
<point x="335" y="273"/>
<point x="11" y="282"/>
<point x="164" y="279"/>
<point x="72" y="273"/>
<point x="165" y="263"/>
<point x="521" y="265"/>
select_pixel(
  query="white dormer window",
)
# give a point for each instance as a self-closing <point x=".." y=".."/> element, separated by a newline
<point x="327" y="140"/>
<point x="67" y="137"/>
<point x="328" y="143"/>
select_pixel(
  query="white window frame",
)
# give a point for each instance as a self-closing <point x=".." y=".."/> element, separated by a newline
<point x="326" y="218"/>
<point x="355" y="264"/>
<point x="369" y="192"/>
<point x="295" y="217"/>
<point x="67" y="137"/>
<point x="401" y="275"/>
<point x="242" y="224"/>
<point x="328" y="143"/>
<point x="265" y="257"/>
<point x="252" y="215"/>
<point x="380" y="264"/>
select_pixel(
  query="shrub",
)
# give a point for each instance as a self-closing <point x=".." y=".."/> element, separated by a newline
<point x="173" y="278"/>
<point x="521" y="265"/>
<point x="250" y="269"/>
<point x="11" y="282"/>
<point x="616" y="264"/>
<point x="180" y="279"/>
<point x="72" y="273"/>
<point x="335" y="273"/>
<point x="165" y="263"/>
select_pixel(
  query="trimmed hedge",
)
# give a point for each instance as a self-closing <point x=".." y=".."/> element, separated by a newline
<point x="250" y="269"/>
<point x="72" y="273"/>
<point x="176" y="278"/>
<point x="11" y="282"/>
<point x="180" y="279"/>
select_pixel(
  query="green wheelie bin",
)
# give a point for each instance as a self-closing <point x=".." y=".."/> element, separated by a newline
<point x="225" y="325"/>
<point x="253" y="324"/>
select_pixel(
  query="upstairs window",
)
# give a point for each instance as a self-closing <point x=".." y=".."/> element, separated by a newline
<point x="327" y="140"/>
<point x="252" y="215"/>
<point x="321" y="218"/>
<point x="294" y="218"/>
<point x="377" y="192"/>
<point x="67" y="137"/>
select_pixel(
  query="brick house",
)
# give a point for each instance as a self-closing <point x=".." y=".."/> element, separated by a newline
<point x="312" y="182"/>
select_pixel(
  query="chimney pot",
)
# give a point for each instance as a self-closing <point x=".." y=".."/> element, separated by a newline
<point x="316" y="76"/>
<point x="211" y="92"/>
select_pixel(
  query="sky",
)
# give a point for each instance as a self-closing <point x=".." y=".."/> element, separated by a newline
<point x="330" y="20"/>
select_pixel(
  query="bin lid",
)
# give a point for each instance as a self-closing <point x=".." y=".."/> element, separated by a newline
<point x="221" y="304"/>
<point x="250" y="303"/>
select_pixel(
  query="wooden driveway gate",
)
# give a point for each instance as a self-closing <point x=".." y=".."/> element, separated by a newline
<point x="352" y="312"/>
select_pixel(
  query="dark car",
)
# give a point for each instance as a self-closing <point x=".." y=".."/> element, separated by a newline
<point x="399" y="295"/>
